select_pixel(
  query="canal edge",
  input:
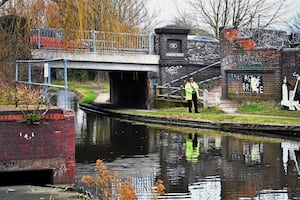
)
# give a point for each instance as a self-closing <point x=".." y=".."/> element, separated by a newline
<point x="247" y="128"/>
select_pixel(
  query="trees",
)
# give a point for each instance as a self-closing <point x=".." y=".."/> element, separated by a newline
<point x="2" y="2"/>
<point x="218" y="13"/>
<point x="294" y="25"/>
<point x="102" y="15"/>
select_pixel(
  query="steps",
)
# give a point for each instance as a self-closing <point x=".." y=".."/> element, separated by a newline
<point x="225" y="105"/>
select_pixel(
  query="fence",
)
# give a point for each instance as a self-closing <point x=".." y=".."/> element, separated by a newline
<point x="178" y="93"/>
<point x="50" y="38"/>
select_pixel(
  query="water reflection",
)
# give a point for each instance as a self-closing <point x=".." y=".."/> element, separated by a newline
<point x="195" y="166"/>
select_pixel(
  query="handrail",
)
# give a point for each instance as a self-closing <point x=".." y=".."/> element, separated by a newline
<point x="192" y="73"/>
<point x="170" y="92"/>
<point x="94" y="41"/>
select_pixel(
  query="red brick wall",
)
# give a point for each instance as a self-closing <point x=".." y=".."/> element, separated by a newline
<point x="251" y="70"/>
<point x="291" y="64"/>
<point x="48" y="145"/>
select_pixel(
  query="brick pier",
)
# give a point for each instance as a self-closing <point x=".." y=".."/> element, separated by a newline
<point x="49" y="145"/>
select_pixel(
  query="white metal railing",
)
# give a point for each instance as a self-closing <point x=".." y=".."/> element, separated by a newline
<point x="95" y="41"/>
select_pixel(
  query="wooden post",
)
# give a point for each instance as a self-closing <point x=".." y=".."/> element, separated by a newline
<point x="205" y="98"/>
<point x="156" y="91"/>
<point x="181" y="92"/>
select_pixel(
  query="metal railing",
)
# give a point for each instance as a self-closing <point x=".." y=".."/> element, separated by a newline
<point x="192" y="73"/>
<point x="175" y="93"/>
<point x="91" y="40"/>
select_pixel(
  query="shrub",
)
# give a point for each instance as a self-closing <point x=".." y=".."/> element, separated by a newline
<point x="104" y="182"/>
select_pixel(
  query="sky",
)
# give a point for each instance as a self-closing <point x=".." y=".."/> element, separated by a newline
<point x="167" y="9"/>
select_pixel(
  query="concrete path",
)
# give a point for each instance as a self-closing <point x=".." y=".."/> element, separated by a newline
<point x="102" y="97"/>
<point x="226" y="105"/>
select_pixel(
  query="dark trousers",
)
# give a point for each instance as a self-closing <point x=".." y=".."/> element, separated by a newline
<point x="195" y="102"/>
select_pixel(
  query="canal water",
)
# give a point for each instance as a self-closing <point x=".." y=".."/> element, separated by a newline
<point x="193" y="164"/>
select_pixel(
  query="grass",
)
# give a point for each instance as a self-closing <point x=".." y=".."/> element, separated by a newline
<point x="267" y="108"/>
<point x="86" y="90"/>
<point x="249" y="113"/>
<point x="263" y="112"/>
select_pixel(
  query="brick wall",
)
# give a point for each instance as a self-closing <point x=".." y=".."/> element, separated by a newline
<point x="291" y="68"/>
<point x="250" y="66"/>
<point x="48" y="145"/>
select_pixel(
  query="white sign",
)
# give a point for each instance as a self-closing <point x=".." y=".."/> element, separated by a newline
<point x="46" y="70"/>
<point x="175" y="54"/>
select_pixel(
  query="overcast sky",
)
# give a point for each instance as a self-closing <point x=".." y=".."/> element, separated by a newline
<point x="167" y="9"/>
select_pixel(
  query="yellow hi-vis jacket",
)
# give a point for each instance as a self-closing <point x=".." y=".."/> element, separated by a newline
<point x="189" y="89"/>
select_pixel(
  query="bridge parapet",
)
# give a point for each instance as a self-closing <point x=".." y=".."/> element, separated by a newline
<point x="91" y="40"/>
<point x="96" y="60"/>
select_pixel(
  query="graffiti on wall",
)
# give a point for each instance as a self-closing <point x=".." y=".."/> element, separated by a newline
<point x="27" y="136"/>
<point x="295" y="74"/>
<point x="243" y="62"/>
<point x="61" y="171"/>
<point x="234" y="77"/>
<point x="248" y="38"/>
<point x="252" y="83"/>
<point x="264" y="37"/>
<point x="173" y="69"/>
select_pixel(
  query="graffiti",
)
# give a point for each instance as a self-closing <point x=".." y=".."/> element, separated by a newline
<point x="253" y="83"/>
<point x="61" y="171"/>
<point x="27" y="136"/>
<point x="243" y="62"/>
<point x="248" y="38"/>
<point x="249" y="60"/>
<point x="246" y="44"/>
<point x="231" y="35"/>
<point x="295" y="38"/>
<point x="234" y="77"/>
<point x="173" y="69"/>
<point x="228" y="61"/>
<point x="265" y="38"/>
<point x="296" y="75"/>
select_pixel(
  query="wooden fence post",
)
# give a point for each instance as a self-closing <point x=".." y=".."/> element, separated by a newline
<point x="205" y="99"/>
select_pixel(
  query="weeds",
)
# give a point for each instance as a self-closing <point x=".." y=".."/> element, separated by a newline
<point x="104" y="182"/>
<point x="111" y="187"/>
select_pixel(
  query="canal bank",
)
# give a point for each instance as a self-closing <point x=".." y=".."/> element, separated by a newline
<point x="290" y="130"/>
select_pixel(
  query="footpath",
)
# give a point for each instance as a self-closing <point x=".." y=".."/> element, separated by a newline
<point x="229" y="107"/>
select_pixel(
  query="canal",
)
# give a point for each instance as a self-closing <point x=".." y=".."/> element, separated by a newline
<point x="194" y="164"/>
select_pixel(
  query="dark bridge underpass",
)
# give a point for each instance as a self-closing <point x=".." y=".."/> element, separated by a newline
<point x="129" y="89"/>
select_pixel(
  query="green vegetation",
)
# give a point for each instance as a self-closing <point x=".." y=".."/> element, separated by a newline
<point x="86" y="90"/>
<point x="249" y="114"/>
<point x="268" y="112"/>
<point x="267" y="108"/>
<point x="32" y="118"/>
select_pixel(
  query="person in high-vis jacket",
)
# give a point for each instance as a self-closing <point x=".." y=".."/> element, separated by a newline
<point x="192" y="94"/>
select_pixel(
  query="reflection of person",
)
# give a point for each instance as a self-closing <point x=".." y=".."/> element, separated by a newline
<point x="192" y="148"/>
<point x="192" y="94"/>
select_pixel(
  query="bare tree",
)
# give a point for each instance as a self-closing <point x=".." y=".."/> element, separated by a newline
<point x="218" y="13"/>
<point x="2" y="2"/>
<point x="294" y="24"/>
<point x="185" y="22"/>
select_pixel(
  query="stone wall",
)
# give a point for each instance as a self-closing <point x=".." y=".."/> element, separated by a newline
<point x="202" y="53"/>
<point x="47" y="145"/>
<point x="180" y="56"/>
